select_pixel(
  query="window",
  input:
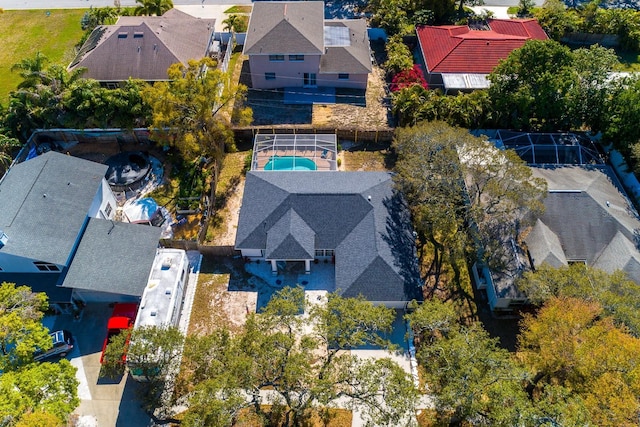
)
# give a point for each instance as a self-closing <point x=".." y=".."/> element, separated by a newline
<point x="108" y="209"/>
<point x="269" y="76"/>
<point x="324" y="252"/>
<point x="343" y="76"/>
<point x="112" y="85"/>
<point x="296" y="58"/>
<point x="45" y="266"/>
<point x="276" y="58"/>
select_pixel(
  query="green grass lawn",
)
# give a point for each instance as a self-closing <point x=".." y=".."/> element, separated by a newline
<point x="24" y="32"/>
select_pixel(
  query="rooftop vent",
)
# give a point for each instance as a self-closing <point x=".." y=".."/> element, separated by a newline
<point x="166" y="264"/>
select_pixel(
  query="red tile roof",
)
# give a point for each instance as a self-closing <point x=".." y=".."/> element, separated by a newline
<point x="458" y="49"/>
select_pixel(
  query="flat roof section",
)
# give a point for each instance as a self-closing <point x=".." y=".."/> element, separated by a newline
<point x="162" y="298"/>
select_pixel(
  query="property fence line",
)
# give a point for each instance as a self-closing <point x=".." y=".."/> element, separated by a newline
<point x="192" y="245"/>
<point x="246" y="135"/>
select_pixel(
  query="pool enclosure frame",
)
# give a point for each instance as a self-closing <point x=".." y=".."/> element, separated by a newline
<point x="550" y="148"/>
<point x="320" y="148"/>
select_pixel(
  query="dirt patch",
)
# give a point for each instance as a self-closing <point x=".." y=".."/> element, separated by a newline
<point x="226" y="232"/>
<point x="364" y="160"/>
<point x="215" y="307"/>
<point x="355" y="110"/>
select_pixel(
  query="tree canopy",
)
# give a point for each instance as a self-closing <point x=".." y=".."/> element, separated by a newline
<point x="453" y="179"/>
<point x="153" y="7"/>
<point x="291" y="355"/>
<point x="30" y="389"/>
<point x="188" y="110"/>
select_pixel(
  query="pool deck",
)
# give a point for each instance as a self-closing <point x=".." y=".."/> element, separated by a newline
<point x="324" y="161"/>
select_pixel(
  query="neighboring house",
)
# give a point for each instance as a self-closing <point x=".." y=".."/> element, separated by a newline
<point x="354" y="219"/>
<point x="459" y="57"/>
<point x="290" y="44"/>
<point x="59" y="235"/>
<point x="143" y="47"/>
<point x="588" y="217"/>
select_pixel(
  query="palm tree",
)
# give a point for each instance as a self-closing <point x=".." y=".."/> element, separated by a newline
<point x="7" y="145"/>
<point x="31" y="70"/>
<point x="235" y="23"/>
<point x="153" y="7"/>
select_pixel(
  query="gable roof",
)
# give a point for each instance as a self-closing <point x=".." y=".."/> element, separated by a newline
<point x="588" y="212"/>
<point x="285" y="27"/>
<point x="116" y="256"/>
<point x="459" y="49"/>
<point x="352" y="57"/>
<point x="44" y="203"/>
<point x="545" y="247"/>
<point x="143" y="47"/>
<point x="372" y="239"/>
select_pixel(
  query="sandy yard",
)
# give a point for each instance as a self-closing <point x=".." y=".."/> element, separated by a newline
<point x="226" y="233"/>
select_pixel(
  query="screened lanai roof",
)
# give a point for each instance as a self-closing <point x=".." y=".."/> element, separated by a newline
<point x="550" y="148"/>
<point x="295" y="152"/>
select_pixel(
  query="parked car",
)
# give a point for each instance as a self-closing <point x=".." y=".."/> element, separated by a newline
<point x="62" y="345"/>
<point x="122" y="318"/>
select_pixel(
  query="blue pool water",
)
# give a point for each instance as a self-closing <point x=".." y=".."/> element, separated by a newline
<point x="290" y="163"/>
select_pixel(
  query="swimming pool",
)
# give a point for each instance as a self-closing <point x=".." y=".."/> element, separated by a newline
<point x="290" y="163"/>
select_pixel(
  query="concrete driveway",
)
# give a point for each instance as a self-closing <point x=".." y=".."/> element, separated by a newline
<point x="103" y="402"/>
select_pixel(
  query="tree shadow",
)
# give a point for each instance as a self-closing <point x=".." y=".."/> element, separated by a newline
<point x="401" y="240"/>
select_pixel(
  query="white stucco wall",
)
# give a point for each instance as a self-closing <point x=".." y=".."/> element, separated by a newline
<point x="104" y="196"/>
<point x="288" y="73"/>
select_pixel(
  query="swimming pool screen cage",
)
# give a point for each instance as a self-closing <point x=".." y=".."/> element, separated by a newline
<point x="297" y="149"/>
<point x="550" y="148"/>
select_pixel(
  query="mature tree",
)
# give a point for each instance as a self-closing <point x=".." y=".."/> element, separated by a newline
<point x="90" y="105"/>
<point x="188" y="110"/>
<point x="429" y="175"/>
<point x="590" y="95"/>
<point x="153" y="7"/>
<point x="151" y="353"/>
<point x="7" y="145"/>
<point x="471" y="379"/>
<point x="503" y="197"/>
<point x="556" y="19"/>
<point x="617" y="294"/>
<point x="624" y="113"/>
<point x="21" y="330"/>
<point x="530" y="87"/>
<point x="236" y="23"/>
<point x="291" y="356"/>
<point x="435" y="161"/>
<point x="571" y="346"/>
<point x="32" y="70"/>
<point x="48" y="389"/>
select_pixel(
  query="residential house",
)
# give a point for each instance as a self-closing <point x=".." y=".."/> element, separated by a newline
<point x="587" y="219"/>
<point x="459" y="57"/>
<point x="59" y="235"/>
<point x="353" y="220"/>
<point x="290" y="44"/>
<point x="143" y="47"/>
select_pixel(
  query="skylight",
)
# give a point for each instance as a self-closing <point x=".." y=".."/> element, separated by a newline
<point x="336" y="36"/>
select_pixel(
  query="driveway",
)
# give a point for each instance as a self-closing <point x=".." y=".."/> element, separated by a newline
<point x="102" y="402"/>
<point x="105" y="402"/>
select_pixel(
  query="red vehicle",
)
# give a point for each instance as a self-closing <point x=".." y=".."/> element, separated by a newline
<point x="123" y="317"/>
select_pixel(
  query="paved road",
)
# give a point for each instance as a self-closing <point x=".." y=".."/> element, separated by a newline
<point x="85" y="4"/>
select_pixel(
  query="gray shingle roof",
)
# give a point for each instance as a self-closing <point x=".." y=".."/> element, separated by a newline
<point x="290" y="238"/>
<point x="113" y="257"/>
<point x="545" y="247"/>
<point x="588" y="212"/>
<point x="354" y="58"/>
<point x="285" y="27"/>
<point x="373" y="241"/>
<point x="151" y="45"/>
<point x="44" y="203"/>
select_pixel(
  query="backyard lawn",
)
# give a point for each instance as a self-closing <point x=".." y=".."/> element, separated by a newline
<point x="24" y="32"/>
